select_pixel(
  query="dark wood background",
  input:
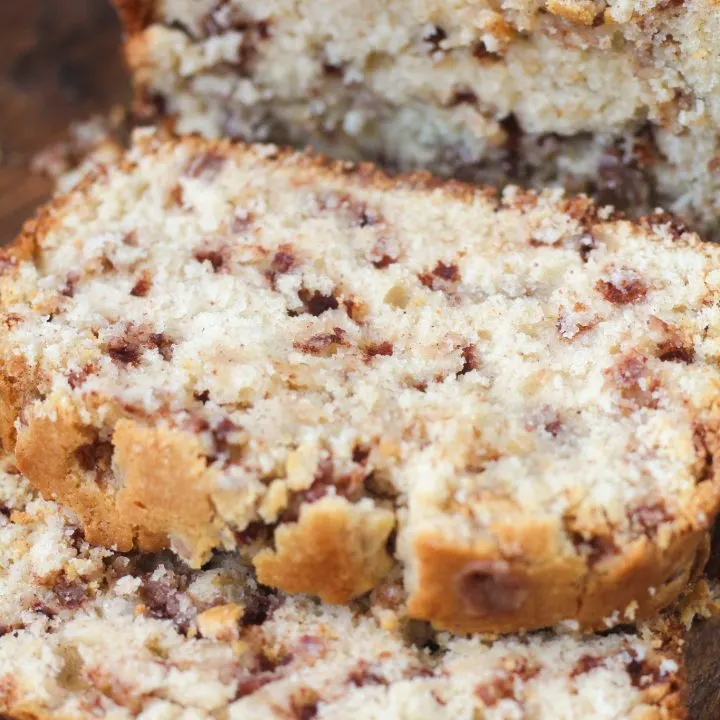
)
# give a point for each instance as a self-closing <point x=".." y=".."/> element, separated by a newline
<point x="60" y="61"/>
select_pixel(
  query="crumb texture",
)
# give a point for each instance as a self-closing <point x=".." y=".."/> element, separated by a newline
<point x="86" y="632"/>
<point x="207" y="345"/>
<point x="619" y="98"/>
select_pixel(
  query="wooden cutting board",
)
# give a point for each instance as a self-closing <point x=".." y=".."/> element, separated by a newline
<point x="60" y="61"/>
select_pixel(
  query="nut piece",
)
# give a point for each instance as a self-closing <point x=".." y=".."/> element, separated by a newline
<point x="221" y="622"/>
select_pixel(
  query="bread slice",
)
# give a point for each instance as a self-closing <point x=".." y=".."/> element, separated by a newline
<point x="211" y="345"/>
<point x="616" y="98"/>
<point x="88" y="633"/>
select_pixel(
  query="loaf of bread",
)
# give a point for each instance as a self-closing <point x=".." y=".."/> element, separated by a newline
<point x="207" y="345"/>
<point x="617" y="98"/>
<point x="91" y="633"/>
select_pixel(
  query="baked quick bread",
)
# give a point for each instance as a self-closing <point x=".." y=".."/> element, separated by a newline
<point x="214" y="345"/>
<point x="620" y="98"/>
<point x="88" y="633"/>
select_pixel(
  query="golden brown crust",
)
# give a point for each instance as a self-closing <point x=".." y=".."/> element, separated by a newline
<point x="336" y="550"/>
<point x="165" y="489"/>
<point x="479" y="590"/>
<point x="49" y="450"/>
<point x="15" y="384"/>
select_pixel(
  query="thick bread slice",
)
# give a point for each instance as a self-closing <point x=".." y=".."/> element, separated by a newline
<point x="616" y="97"/>
<point x="213" y="345"/>
<point x="89" y="633"/>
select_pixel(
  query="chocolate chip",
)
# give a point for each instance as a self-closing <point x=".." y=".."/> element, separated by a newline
<point x="124" y="351"/>
<point x="163" y="344"/>
<point x="221" y="435"/>
<point x="248" y="684"/>
<point x="360" y="454"/>
<point x="130" y="239"/>
<point x="636" y="384"/>
<point x="260" y="606"/>
<point x="142" y="286"/>
<point x="283" y="260"/>
<point x="668" y="351"/>
<point x="462" y="96"/>
<point x="214" y="257"/>
<point x="253" y="533"/>
<point x="336" y="70"/>
<point x="304" y="704"/>
<point x="621" y="182"/>
<point x="554" y="427"/>
<point x="446" y="272"/>
<point x="363" y="675"/>
<point x="315" y="302"/>
<point x="470" y="360"/>
<point x="372" y="350"/>
<point x="642" y="673"/>
<point x="513" y="153"/>
<point x="161" y="596"/>
<point x="323" y="343"/>
<point x="499" y="688"/>
<point x="441" y="276"/>
<point x="95" y="455"/>
<point x="201" y="397"/>
<point x="585" y="664"/>
<point x="480" y="52"/>
<point x="434" y="36"/>
<point x="622" y="286"/>
<point x="76" y="378"/>
<point x="382" y="255"/>
<point x="68" y="289"/>
<point x="206" y="165"/>
<point x="71" y="593"/>
<point x="487" y="587"/>
<point x="127" y="348"/>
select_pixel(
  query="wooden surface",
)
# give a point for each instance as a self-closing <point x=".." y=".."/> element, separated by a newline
<point x="59" y="62"/>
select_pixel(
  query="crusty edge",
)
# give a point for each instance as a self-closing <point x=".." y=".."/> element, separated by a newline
<point x="337" y="550"/>
<point x="47" y="454"/>
<point x="633" y="586"/>
<point x="165" y="489"/>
